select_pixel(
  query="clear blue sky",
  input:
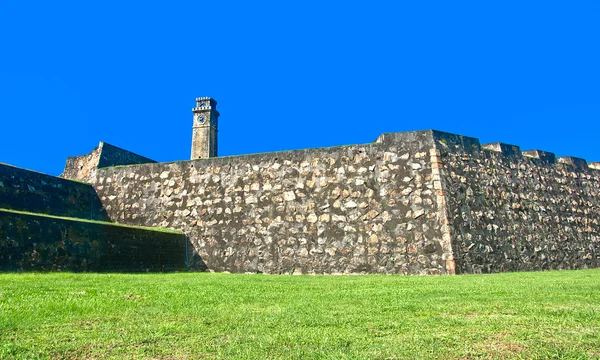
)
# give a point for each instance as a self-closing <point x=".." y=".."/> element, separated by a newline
<point x="292" y="75"/>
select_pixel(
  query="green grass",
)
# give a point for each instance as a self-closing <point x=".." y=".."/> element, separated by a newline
<point x="161" y="229"/>
<point x="225" y="316"/>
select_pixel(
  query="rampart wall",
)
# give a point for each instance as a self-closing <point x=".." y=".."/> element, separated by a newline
<point x="370" y="208"/>
<point x="35" y="192"/>
<point x="410" y="203"/>
<point x="418" y="203"/>
<point x="33" y="242"/>
<point x="511" y="210"/>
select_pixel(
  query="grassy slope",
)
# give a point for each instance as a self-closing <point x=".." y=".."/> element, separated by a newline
<point x="189" y="315"/>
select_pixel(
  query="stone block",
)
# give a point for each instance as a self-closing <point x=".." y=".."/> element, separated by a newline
<point x="506" y="149"/>
<point x="456" y="142"/>
<point x="594" y="165"/>
<point x="544" y="156"/>
<point x="575" y="162"/>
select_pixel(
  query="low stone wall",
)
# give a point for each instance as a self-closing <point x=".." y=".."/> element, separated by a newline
<point x="30" y="242"/>
<point x="35" y="192"/>
<point x="367" y="208"/>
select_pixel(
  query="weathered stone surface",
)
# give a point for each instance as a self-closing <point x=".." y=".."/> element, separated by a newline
<point x="411" y="203"/>
<point x="205" y="129"/>
<point x="30" y="242"/>
<point x="331" y="210"/>
<point x="512" y="213"/>
<point x="419" y="203"/>
<point x="83" y="168"/>
<point x="30" y="191"/>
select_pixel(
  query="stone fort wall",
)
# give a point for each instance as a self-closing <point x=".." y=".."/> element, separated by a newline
<point x="513" y="210"/>
<point x="370" y="208"/>
<point x="30" y="191"/>
<point x="50" y="223"/>
<point x="410" y="203"/>
<point x="35" y="242"/>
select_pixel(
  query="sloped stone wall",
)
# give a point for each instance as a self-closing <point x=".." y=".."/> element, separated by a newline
<point x="353" y="209"/>
<point x="83" y="168"/>
<point x="30" y="242"/>
<point x="35" y="192"/>
<point x="511" y="212"/>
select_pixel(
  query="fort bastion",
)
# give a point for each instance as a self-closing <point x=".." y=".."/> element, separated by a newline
<point x="423" y="202"/>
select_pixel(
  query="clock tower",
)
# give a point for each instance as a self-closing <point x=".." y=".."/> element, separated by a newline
<point x="204" y="130"/>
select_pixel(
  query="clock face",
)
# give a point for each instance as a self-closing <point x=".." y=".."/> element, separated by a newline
<point x="201" y="118"/>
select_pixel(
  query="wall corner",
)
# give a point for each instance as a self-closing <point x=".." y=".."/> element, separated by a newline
<point x="441" y="194"/>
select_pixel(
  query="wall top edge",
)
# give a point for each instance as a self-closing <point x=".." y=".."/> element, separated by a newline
<point x="100" y="146"/>
<point x="105" y="145"/>
<point x="454" y="142"/>
<point x="8" y="167"/>
<point x="576" y="162"/>
<point x="505" y="149"/>
<point x="439" y="139"/>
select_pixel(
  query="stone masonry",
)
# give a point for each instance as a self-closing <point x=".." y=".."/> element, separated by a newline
<point x="205" y="129"/>
<point x="49" y="223"/>
<point x="423" y="202"/>
<point x="83" y="167"/>
<point x="511" y="210"/>
<point x="25" y="190"/>
<point x="354" y="209"/>
<point x="37" y="242"/>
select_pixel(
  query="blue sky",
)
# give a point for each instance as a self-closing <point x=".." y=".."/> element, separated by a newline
<point x="292" y="75"/>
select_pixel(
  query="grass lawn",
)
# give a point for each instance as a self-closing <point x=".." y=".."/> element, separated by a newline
<point x="226" y="316"/>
